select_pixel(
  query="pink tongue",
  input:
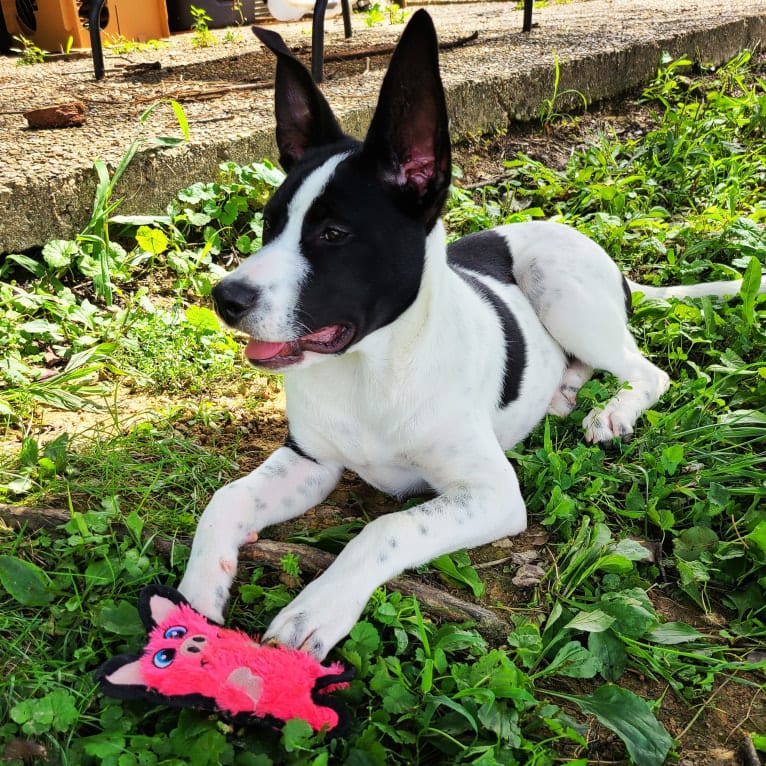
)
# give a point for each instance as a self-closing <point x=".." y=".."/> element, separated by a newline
<point x="261" y="349"/>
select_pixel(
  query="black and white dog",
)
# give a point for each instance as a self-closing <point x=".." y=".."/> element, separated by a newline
<point x="409" y="362"/>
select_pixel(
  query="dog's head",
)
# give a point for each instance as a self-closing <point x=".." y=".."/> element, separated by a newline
<point x="344" y="236"/>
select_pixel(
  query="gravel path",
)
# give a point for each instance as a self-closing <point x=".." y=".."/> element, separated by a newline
<point x="226" y="89"/>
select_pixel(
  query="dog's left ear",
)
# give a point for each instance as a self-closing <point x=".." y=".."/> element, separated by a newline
<point x="304" y="118"/>
<point x="408" y="139"/>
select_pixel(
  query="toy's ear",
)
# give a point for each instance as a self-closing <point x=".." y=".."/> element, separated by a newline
<point x="304" y="118"/>
<point x="121" y="677"/>
<point x="156" y="603"/>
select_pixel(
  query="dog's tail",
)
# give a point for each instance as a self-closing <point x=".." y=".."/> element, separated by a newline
<point x="726" y="288"/>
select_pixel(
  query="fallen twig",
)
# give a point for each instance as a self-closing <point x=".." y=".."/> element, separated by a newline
<point x="200" y="94"/>
<point x="436" y="602"/>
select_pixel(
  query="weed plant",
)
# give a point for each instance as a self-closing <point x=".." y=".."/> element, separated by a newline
<point x="29" y="53"/>
<point x="120" y="45"/>
<point x="202" y="37"/>
<point x="678" y="512"/>
<point x="376" y="14"/>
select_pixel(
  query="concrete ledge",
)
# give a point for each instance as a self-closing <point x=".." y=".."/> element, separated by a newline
<point x="488" y="86"/>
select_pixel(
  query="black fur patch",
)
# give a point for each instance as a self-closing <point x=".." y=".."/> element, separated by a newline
<point x="290" y="443"/>
<point x="628" y="297"/>
<point x="515" y="352"/>
<point x="485" y="252"/>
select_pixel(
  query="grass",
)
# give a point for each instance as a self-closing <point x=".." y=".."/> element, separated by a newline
<point x="677" y="513"/>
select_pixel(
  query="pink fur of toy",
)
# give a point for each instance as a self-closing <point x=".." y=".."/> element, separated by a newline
<point x="187" y="657"/>
<point x="216" y="660"/>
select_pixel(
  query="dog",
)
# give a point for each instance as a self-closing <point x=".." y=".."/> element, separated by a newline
<point x="412" y="363"/>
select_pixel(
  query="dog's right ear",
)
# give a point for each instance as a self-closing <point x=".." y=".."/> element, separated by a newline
<point x="408" y="140"/>
<point x="304" y="118"/>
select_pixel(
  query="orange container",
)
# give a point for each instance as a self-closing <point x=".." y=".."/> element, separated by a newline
<point x="50" y="23"/>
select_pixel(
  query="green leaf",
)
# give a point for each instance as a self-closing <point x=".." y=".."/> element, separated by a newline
<point x="673" y="633"/>
<point x="635" y="502"/>
<point x="718" y="495"/>
<point x="441" y="700"/>
<point x="135" y="524"/>
<point x="595" y="621"/>
<point x="501" y="721"/>
<point x="672" y="457"/>
<point x="183" y="123"/>
<point x="25" y="582"/>
<point x="457" y="567"/>
<point x="33" y="717"/>
<point x="693" y="542"/>
<point x="168" y="141"/>
<point x="630" y="718"/>
<point x="365" y="637"/>
<point x="203" y="319"/>
<point x="398" y="700"/>
<point x="631" y="549"/>
<point x="758" y="538"/>
<point x="295" y="735"/>
<point x="751" y="283"/>
<point x="198" y="219"/>
<point x="615" y="564"/>
<point x="58" y="253"/>
<point x="528" y="643"/>
<point x="152" y="240"/>
<point x="39" y="327"/>
<point x="612" y="653"/>
<point x="55" y="711"/>
<point x="632" y="610"/>
<point x="30" y="264"/>
<point x="30" y="452"/>
<point x="575" y="661"/>
<point x="104" y="745"/>
<point x="120" y="618"/>
<point x="56" y="451"/>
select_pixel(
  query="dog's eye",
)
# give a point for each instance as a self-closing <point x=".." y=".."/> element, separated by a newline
<point x="177" y="631"/>
<point x="333" y="234"/>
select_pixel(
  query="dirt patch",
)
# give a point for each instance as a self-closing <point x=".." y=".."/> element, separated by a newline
<point x="481" y="159"/>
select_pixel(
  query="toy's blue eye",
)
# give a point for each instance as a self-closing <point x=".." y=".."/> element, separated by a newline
<point x="178" y="631"/>
<point x="164" y="658"/>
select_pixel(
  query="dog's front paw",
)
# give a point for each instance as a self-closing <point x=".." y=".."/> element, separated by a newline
<point x="316" y="620"/>
<point x="207" y="590"/>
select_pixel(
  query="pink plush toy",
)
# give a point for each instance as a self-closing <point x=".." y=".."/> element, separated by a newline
<point x="189" y="661"/>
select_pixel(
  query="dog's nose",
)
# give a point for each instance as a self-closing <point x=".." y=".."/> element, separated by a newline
<point x="233" y="299"/>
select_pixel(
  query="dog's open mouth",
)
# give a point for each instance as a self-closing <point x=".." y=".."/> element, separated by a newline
<point x="328" y="340"/>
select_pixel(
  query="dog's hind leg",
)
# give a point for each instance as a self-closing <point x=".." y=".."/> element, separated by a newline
<point x="579" y="295"/>
<point x="613" y="349"/>
<point x="565" y="398"/>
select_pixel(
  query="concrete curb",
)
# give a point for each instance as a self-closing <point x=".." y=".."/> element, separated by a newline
<point x="58" y="207"/>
